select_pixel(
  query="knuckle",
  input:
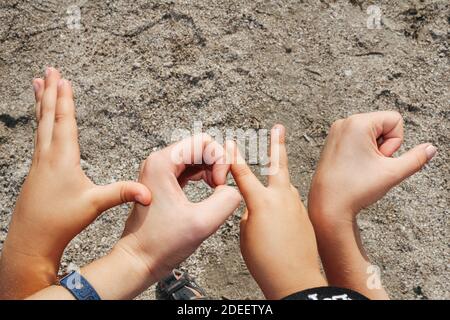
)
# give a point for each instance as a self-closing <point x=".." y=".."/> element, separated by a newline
<point x="46" y="108"/>
<point x="353" y="120"/>
<point x="397" y="114"/>
<point x="123" y="193"/>
<point x="242" y="171"/>
<point x="152" y="161"/>
<point x="59" y="117"/>
<point x="419" y="161"/>
<point x="355" y="123"/>
<point x="199" y="224"/>
<point x="336" y="125"/>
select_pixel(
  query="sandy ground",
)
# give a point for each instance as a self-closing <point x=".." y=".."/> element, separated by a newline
<point x="144" y="68"/>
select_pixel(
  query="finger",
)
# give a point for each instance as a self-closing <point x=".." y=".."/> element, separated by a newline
<point x="157" y="174"/>
<point x="173" y="166"/>
<point x="215" y="154"/>
<point x="388" y="126"/>
<point x="65" y="133"/>
<point x="192" y="174"/>
<point x="412" y="161"/>
<point x="188" y="151"/>
<point x="217" y="208"/>
<point x="47" y="108"/>
<point x="106" y="197"/>
<point x="169" y="164"/>
<point x="198" y="151"/>
<point x="213" y="170"/>
<point x="38" y="85"/>
<point x="248" y="183"/>
<point x="278" y="174"/>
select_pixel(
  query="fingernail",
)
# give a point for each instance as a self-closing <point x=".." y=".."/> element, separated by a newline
<point x="60" y="83"/>
<point x="36" y="86"/>
<point x="430" y="152"/>
<point x="48" y="71"/>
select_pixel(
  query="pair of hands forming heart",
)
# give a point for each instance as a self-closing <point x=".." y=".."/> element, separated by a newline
<point x="58" y="201"/>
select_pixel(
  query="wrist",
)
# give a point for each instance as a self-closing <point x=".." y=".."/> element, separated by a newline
<point x="336" y="230"/>
<point x="326" y="207"/>
<point x="27" y="242"/>
<point x="130" y="247"/>
<point x="140" y="264"/>
<point x="331" y="219"/>
<point x="118" y="275"/>
<point x="22" y="274"/>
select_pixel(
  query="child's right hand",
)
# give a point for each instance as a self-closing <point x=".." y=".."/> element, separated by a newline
<point x="57" y="200"/>
<point x="356" y="167"/>
<point x="161" y="236"/>
<point x="277" y="238"/>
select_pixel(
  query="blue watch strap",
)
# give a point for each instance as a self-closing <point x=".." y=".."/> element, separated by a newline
<point x="79" y="287"/>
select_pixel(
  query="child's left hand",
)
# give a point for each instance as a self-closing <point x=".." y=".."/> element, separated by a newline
<point x="57" y="200"/>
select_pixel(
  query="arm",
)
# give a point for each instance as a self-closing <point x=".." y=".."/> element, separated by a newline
<point x="344" y="259"/>
<point x="355" y="170"/>
<point x="118" y="275"/>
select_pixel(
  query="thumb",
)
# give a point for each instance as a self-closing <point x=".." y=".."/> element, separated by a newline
<point x="218" y="207"/>
<point x="413" y="160"/>
<point x="114" y="194"/>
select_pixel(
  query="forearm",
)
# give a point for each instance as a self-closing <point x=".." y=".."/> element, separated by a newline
<point x="116" y="276"/>
<point x="344" y="259"/>
<point x="293" y="281"/>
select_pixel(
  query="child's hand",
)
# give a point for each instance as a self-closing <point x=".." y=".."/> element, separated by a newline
<point x="355" y="170"/>
<point x="57" y="200"/>
<point x="277" y="238"/>
<point x="160" y="236"/>
<point x="356" y="167"/>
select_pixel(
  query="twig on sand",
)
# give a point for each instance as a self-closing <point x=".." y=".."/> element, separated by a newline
<point x="370" y="53"/>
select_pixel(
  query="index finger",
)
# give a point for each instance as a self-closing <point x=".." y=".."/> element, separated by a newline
<point x="389" y="127"/>
<point x="198" y="150"/>
<point x="278" y="174"/>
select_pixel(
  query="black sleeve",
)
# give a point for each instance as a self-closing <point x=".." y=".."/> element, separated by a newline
<point x="326" y="293"/>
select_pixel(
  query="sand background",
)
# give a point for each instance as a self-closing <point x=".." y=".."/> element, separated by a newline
<point x="144" y="68"/>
